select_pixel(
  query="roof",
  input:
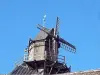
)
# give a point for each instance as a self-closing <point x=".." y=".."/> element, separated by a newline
<point x="89" y="72"/>
<point x="41" y="35"/>
<point x="24" y="70"/>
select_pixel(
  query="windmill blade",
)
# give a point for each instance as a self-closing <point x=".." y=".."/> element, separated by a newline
<point x="57" y="27"/>
<point x="67" y="43"/>
<point x="42" y="27"/>
<point x="68" y="48"/>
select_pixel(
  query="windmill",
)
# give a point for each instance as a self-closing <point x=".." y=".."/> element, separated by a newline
<point x="42" y="53"/>
<point x="59" y="42"/>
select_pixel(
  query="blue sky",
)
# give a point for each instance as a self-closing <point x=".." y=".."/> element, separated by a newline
<point x="79" y="24"/>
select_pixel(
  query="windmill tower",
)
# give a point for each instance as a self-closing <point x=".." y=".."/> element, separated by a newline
<point x="43" y="53"/>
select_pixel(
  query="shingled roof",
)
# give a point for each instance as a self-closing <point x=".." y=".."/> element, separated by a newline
<point x="41" y="35"/>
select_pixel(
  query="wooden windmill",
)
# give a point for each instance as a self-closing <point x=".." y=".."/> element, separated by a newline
<point x="43" y="53"/>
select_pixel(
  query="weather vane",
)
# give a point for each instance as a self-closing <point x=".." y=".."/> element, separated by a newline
<point x="44" y="20"/>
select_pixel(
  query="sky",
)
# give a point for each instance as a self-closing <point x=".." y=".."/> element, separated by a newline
<point x="79" y="25"/>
